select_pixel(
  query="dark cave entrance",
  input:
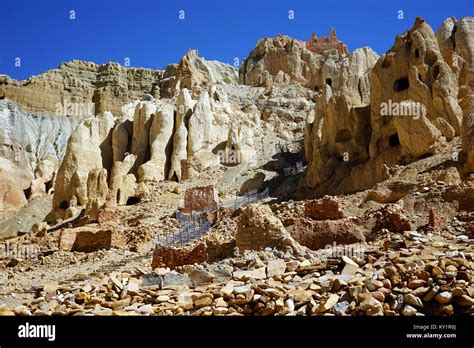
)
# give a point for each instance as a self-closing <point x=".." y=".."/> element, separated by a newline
<point x="394" y="140"/>
<point x="133" y="201"/>
<point x="401" y="84"/>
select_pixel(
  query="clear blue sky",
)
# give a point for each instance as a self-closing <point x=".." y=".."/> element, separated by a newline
<point x="150" y="33"/>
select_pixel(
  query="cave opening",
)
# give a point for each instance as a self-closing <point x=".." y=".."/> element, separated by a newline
<point x="133" y="200"/>
<point x="435" y="71"/>
<point x="401" y="84"/>
<point x="27" y="193"/>
<point x="394" y="140"/>
<point x="329" y="82"/>
<point x="64" y="205"/>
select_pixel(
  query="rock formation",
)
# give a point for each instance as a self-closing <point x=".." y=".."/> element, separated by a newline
<point x="258" y="228"/>
<point x="184" y="107"/>
<point x="197" y="74"/>
<point x="408" y="110"/>
<point x="81" y="89"/>
<point x="283" y="59"/>
<point x="161" y="132"/>
<point x="339" y="134"/>
<point x="83" y="155"/>
<point x="31" y="147"/>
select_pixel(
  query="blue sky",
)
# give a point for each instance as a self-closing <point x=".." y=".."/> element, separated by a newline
<point x="150" y="33"/>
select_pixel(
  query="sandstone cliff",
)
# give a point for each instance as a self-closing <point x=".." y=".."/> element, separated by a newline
<point x="379" y="113"/>
<point x="80" y="88"/>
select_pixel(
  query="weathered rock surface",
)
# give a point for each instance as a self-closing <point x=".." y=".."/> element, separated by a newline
<point x="83" y="154"/>
<point x="410" y="90"/>
<point x="82" y="88"/>
<point x="258" y="228"/>
<point x="283" y="59"/>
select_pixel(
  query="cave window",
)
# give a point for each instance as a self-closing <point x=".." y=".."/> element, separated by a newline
<point x="48" y="185"/>
<point x="419" y="78"/>
<point x="417" y="53"/>
<point x="435" y="71"/>
<point x="329" y="82"/>
<point x="133" y="201"/>
<point x="401" y="84"/>
<point x="27" y="192"/>
<point x="393" y="140"/>
<point x="64" y="205"/>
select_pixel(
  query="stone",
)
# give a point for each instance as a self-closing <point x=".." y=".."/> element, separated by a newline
<point x="199" y="277"/>
<point x="196" y="73"/>
<point x="329" y="303"/>
<point x="258" y="228"/>
<point x="173" y="279"/>
<point x="220" y="302"/>
<point x="413" y="284"/>
<point x="199" y="198"/>
<point x="444" y="297"/>
<point x="202" y="131"/>
<point x="431" y="293"/>
<point x="413" y="300"/>
<point x="290" y="305"/>
<point x="408" y="311"/>
<point x="5" y="312"/>
<point x="464" y="301"/>
<point x="173" y="257"/>
<point x="326" y="208"/>
<point x="146" y="309"/>
<point x="370" y="303"/>
<point x="202" y="302"/>
<point x="87" y="239"/>
<point x="349" y="261"/>
<point x="258" y="273"/>
<point x="378" y="295"/>
<point x="275" y="268"/>
<point x="350" y="270"/>
<point x="123" y="185"/>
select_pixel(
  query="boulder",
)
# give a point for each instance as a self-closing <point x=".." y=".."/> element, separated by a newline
<point x="199" y="198"/>
<point x="326" y="208"/>
<point x="87" y="239"/>
<point x="258" y="228"/>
